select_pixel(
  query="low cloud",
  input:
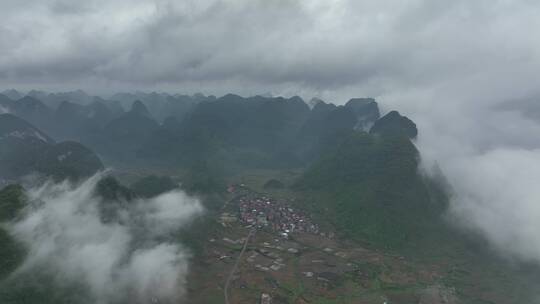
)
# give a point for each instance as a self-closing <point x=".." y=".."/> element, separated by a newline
<point x="133" y="258"/>
<point x="491" y="159"/>
<point x="497" y="194"/>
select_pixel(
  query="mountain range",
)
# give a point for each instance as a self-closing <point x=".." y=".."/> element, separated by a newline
<point x="342" y="148"/>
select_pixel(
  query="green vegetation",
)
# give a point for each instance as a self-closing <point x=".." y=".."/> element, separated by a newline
<point x="11" y="202"/>
<point x="68" y="160"/>
<point x="38" y="287"/>
<point x="110" y="189"/>
<point x="371" y="189"/>
<point x="122" y="136"/>
<point x="274" y="184"/>
<point x="203" y="177"/>
<point x="11" y="253"/>
<point x="153" y="185"/>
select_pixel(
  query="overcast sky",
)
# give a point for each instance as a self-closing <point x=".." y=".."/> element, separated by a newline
<point x="446" y="64"/>
<point x="312" y="47"/>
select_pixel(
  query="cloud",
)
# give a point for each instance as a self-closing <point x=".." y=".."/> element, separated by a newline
<point x="497" y="195"/>
<point x="132" y="258"/>
<point x="491" y="158"/>
<point x="331" y="48"/>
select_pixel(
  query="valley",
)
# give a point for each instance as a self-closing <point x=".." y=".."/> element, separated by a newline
<point x="325" y="267"/>
<point x="295" y="204"/>
<point x="307" y="267"/>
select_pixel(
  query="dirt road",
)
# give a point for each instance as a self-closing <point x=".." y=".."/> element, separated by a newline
<point x="235" y="267"/>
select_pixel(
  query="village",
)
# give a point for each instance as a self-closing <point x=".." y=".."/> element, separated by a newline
<point x="264" y="212"/>
<point x="277" y="223"/>
<point x="271" y="251"/>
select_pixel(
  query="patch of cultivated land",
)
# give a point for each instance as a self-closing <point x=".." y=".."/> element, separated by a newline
<point x="306" y="267"/>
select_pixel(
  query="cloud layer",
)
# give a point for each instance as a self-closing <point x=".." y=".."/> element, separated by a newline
<point x="127" y="259"/>
<point x="497" y="194"/>
<point x="335" y="48"/>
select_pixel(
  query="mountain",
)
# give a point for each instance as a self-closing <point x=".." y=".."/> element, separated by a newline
<point x="25" y="149"/>
<point x="233" y="130"/>
<point x="124" y="135"/>
<point x="14" y="128"/>
<point x="152" y="185"/>
<point x="31" y="106"/>
<point x="165" y="143"/>
<point x="114" y="106"/>
<point x="162" y="105"/>
<point x="12" y="94"/>
<point x="95" y="112"/>
<point x="37" y="94"/>
<point x="81" y="123"/>
<point x="393" y="124"/>
<point x="33" y="111"/>
<point x="53" y="100"/>
<point x="254" y="122"/>
<point x="6" y="104"/>
<point x="111" y="190"/>
<point x="138" y="108"/>
<point x="366" y="111"/>
<point x="20" y="146"/>
<point x="179" y="106"/>
<point x="319" y="114"/>
<point x="328" y="119"/>
<point x="371" y="184"/>
<point x="11" y="202"/>
<point x="314" y="101"/>
<point x="69" y="159"/>
<point x="370" y="188"/>
<point x="324" y="123"/>
<point x="257" y="131"/>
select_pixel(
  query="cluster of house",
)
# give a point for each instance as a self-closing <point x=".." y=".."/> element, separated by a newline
<point x="267" y="212"/>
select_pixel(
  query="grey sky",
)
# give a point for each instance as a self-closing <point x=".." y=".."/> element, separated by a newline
<point x="316" y="47"/>
<point x="447" y="64"/>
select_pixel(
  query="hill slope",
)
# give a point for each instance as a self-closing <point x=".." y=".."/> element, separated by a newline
<point x="371" y="189"/>
<point x="25" y="149"/>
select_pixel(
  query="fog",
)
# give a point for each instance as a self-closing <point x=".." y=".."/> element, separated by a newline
<point x="496" y="192"/>
<point x="132" y="258"/>
<point x="491" y="159"/>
